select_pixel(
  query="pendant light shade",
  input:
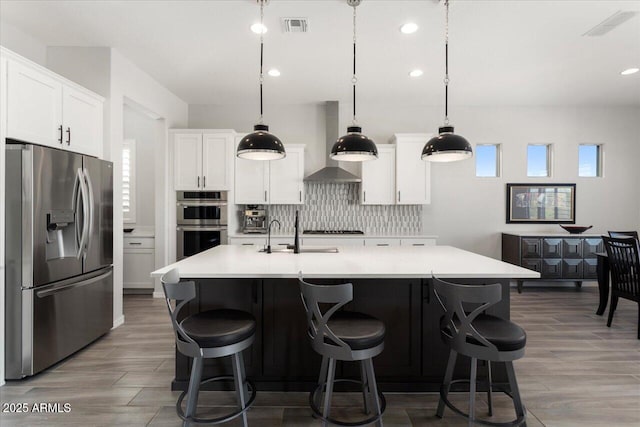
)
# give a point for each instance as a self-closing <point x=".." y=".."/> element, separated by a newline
<point x="261" y="145"/>
<point x="447" y="146"/>
<point x="354" y="146"/>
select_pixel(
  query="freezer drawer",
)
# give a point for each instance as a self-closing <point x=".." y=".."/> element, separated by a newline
<point x="62" y="318"/>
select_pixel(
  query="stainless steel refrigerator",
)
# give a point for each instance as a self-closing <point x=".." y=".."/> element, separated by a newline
<point x="59" y="255"/>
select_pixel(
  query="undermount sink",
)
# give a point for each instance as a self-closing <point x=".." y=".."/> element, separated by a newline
<point x="303" y="250"/>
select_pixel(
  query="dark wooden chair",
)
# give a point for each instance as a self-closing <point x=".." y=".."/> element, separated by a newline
<point x="623" y="234"/>
<point x="624" y="264"/>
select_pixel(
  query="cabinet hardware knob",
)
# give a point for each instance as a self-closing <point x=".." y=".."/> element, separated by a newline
<point x="198" y="182"/>
<point x="60" y="129"/>
<point x="364" y="196"/>
<point x="68" y="136"/>
<point x="265" y="195"/>
<point x="398" y="196"/>
<point x="135" y="243"/>
<point x="204" y="182"/>
<point x="300" y="192"/>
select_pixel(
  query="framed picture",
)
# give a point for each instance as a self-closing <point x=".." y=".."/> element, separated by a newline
<point x="541" y="203"/>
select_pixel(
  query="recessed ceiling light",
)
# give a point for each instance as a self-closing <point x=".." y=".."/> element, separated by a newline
<point x="630" y="71"/>
<point x="259" y="28"/>
<point x="409" y="28"/>
<point x="274" y="72"/>
<point x="416" y="73"/>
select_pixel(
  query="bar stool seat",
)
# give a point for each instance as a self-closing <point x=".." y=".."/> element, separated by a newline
<point x="358" y="330"/>
<point x="217" y="328"/>
<point x="504" y="334"/>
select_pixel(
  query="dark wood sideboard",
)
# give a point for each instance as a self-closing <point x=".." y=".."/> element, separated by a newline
<point x="557" y="257"/>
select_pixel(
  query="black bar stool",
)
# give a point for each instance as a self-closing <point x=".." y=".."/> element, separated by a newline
<point x="209" y="334"/>
<point x="470" y="332"/>
<point x="345" y="336"/>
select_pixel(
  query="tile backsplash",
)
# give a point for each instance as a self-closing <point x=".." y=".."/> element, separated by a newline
<point x="336" y="206"/>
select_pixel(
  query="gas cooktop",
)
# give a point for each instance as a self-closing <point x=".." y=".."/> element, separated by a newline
<point x="332" y="232"/>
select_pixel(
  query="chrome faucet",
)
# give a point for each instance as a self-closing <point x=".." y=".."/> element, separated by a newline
<point x="269" y="234"/>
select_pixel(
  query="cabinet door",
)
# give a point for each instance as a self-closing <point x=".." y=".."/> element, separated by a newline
<point x="551" y="268"/>
<point x="34" y="106"/>
<point x="285" y="178"/>
<point x="251" y="181"/>
<point x="572" y="248"/>
<point x="379" y="178"/>
<point x="591" y="246"/>
<point x="532" y="264"/>
<point x="413" y="178"/>
<point x="590" y="268"/>
<point x="81" y="122"/>
<point x="382" y="242"/>
<point x="531" y="248"/>
<point x="552" y="248"/>
<point x="417" y="242"/>
<point x="138" y="265"/>
<point x="217" y="161"/>
<point x="188" y="161"/>
<point x="572" y="268"/>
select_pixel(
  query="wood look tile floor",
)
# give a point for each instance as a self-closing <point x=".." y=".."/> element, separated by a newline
<point x="576" y="372"/>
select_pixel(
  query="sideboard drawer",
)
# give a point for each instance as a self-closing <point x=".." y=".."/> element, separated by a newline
<point x="551" y="248"/>
<point x="572" y="268"/>
<point x="531" y="248"/>
<point x="551" y="268"/>
<point x="572" y="248"/>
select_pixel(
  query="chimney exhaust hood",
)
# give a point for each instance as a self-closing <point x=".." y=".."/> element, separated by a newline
<point x="332" y="172"/>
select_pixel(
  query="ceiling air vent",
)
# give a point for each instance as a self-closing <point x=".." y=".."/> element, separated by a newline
<point x="295" y="25"/>
<point x="610" y="23"/>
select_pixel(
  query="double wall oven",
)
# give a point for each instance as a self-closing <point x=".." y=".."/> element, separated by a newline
<point x="202" y="221"/>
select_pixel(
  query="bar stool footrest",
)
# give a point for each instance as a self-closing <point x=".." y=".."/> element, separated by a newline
<point x="497" y="387"/>
<point x="223" y="418"/>
<point x="318" y="414"/>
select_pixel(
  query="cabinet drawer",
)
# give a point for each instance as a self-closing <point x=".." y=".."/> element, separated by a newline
<point x="572" y="248"/>
<point x="531" y="248"/>
<point x="552" y="248"/>
<point x="138" y="243"/>
<point x="572" y="268"/>
<point x="589" y="268"/>
<point x="382" y="242"/>
<point x="532" y="264"/>
<point x="417" y="242"/>
<point x="252" y="241"/>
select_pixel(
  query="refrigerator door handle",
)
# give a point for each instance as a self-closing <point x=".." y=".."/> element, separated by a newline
<point x="85" y="212"/>
<point x="90" y="206"/>
<point x="76" y="209"/>
<point x="55" y="290"/>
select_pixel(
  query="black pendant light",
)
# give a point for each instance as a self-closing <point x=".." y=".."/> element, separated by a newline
<point x="354" y="146"/>
<point x="261" y="145"/>
<point x="447" y="146"/>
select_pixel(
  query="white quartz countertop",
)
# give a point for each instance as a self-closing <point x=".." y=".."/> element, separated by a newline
<point x="235" y="261"/>
<point x="551" y="234"/>
<point x="337" y="236"/>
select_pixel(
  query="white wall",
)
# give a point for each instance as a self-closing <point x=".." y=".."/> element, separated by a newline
<point x="22" y="43"/>
<point x="466" y="211"/>
<point x="142" y="129"/>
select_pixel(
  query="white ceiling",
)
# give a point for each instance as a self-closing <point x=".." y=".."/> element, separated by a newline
<point x="511" y="52"/>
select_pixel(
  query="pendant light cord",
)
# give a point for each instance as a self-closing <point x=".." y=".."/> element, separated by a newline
<point x="446" y="65"/>
<point x="261" y="57"/>
<point x="354" y="78"/>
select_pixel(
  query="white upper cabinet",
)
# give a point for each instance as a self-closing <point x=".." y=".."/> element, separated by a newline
<point x="202" y="160"/>
<point x="379" y="178"/>
<point x="413" y="175"/>
<point x="286" y="186"/>
<point x="270" y="182"/>
<point x="34" y="106"/>
<point x="187" y="161"/>
<point x="82" y="122"/>
<point x="46" y="109"/>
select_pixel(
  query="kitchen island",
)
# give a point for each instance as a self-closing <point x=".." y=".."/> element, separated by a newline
<point x="391" y="283"/>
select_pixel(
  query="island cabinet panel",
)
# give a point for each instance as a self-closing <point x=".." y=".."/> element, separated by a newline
<point x="240" y="294"/>
<point x="435" y="352"/>
<point x="287" y="348"/>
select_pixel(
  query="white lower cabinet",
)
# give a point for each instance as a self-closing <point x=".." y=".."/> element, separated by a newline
<point x="139" y="262"/>
<point x="417" y="241"/>
<point x="259" y="241"/>
<point x="333" y="241"/>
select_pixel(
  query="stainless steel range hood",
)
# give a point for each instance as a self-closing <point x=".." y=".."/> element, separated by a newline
<point x="332" y="172"/>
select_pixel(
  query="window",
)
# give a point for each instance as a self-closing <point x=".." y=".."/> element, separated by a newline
<point x="590" y="160"/>
<point x="129" y="180"/>
<point x="539" y="160"/>
<point x="488" y="160"/>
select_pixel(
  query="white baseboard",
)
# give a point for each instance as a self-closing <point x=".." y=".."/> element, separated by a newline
<point x="118" y="322"/>
<point x="158" y="294"/>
